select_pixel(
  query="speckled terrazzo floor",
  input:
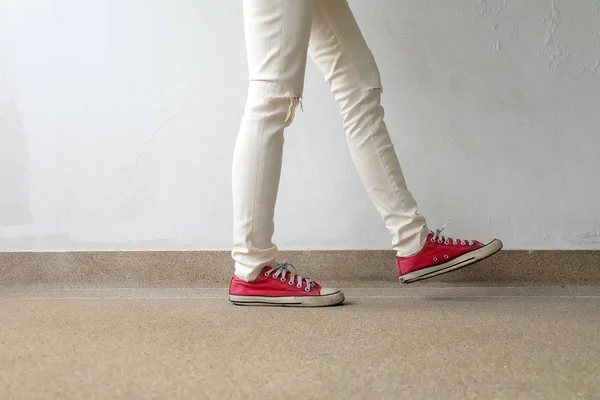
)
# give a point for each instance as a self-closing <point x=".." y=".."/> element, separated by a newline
<point x="389" y="342"/>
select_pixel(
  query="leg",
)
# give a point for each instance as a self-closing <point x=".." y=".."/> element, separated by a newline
<point x="339" y="50"/>
<point x="277" y="34"/>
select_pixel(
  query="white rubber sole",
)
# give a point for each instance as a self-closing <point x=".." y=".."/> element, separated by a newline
<point x="289" y="301"/>
<point x="472" y="257"/>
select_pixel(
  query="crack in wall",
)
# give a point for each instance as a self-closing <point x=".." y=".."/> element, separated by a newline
<point x="557" y="53"/>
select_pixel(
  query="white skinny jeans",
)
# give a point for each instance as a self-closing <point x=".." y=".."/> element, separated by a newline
<point x="279" y="35"/>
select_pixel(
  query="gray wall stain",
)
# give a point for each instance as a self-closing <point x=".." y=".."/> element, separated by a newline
<point x="14" y="186"/>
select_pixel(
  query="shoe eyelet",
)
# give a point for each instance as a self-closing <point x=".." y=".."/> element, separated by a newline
<point x="446" y="256"/>
<point x="307" y="289"/>
<point x="435" y="259"/>
<point x="432" y="240"/>
<point x="282" y="279"/>
<point x="299" y="286"/>
<point x="267" y="273"/>
<point x="275" y="277"/>
<point x="291" y="283"/>
<point x="440" y="241"/>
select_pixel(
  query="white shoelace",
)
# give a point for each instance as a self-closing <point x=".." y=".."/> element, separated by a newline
<point x="285" y="268"/>
<point x="437" y="235"/>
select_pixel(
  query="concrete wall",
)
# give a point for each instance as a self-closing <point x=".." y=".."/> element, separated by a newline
<point x="118" y="119"/>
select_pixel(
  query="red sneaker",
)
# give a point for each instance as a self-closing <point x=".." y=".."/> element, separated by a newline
<point x="282" y="286"/>
<point x="443" y="254"/>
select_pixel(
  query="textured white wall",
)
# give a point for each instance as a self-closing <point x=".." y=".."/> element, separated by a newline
<point x="118" y="120"/>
